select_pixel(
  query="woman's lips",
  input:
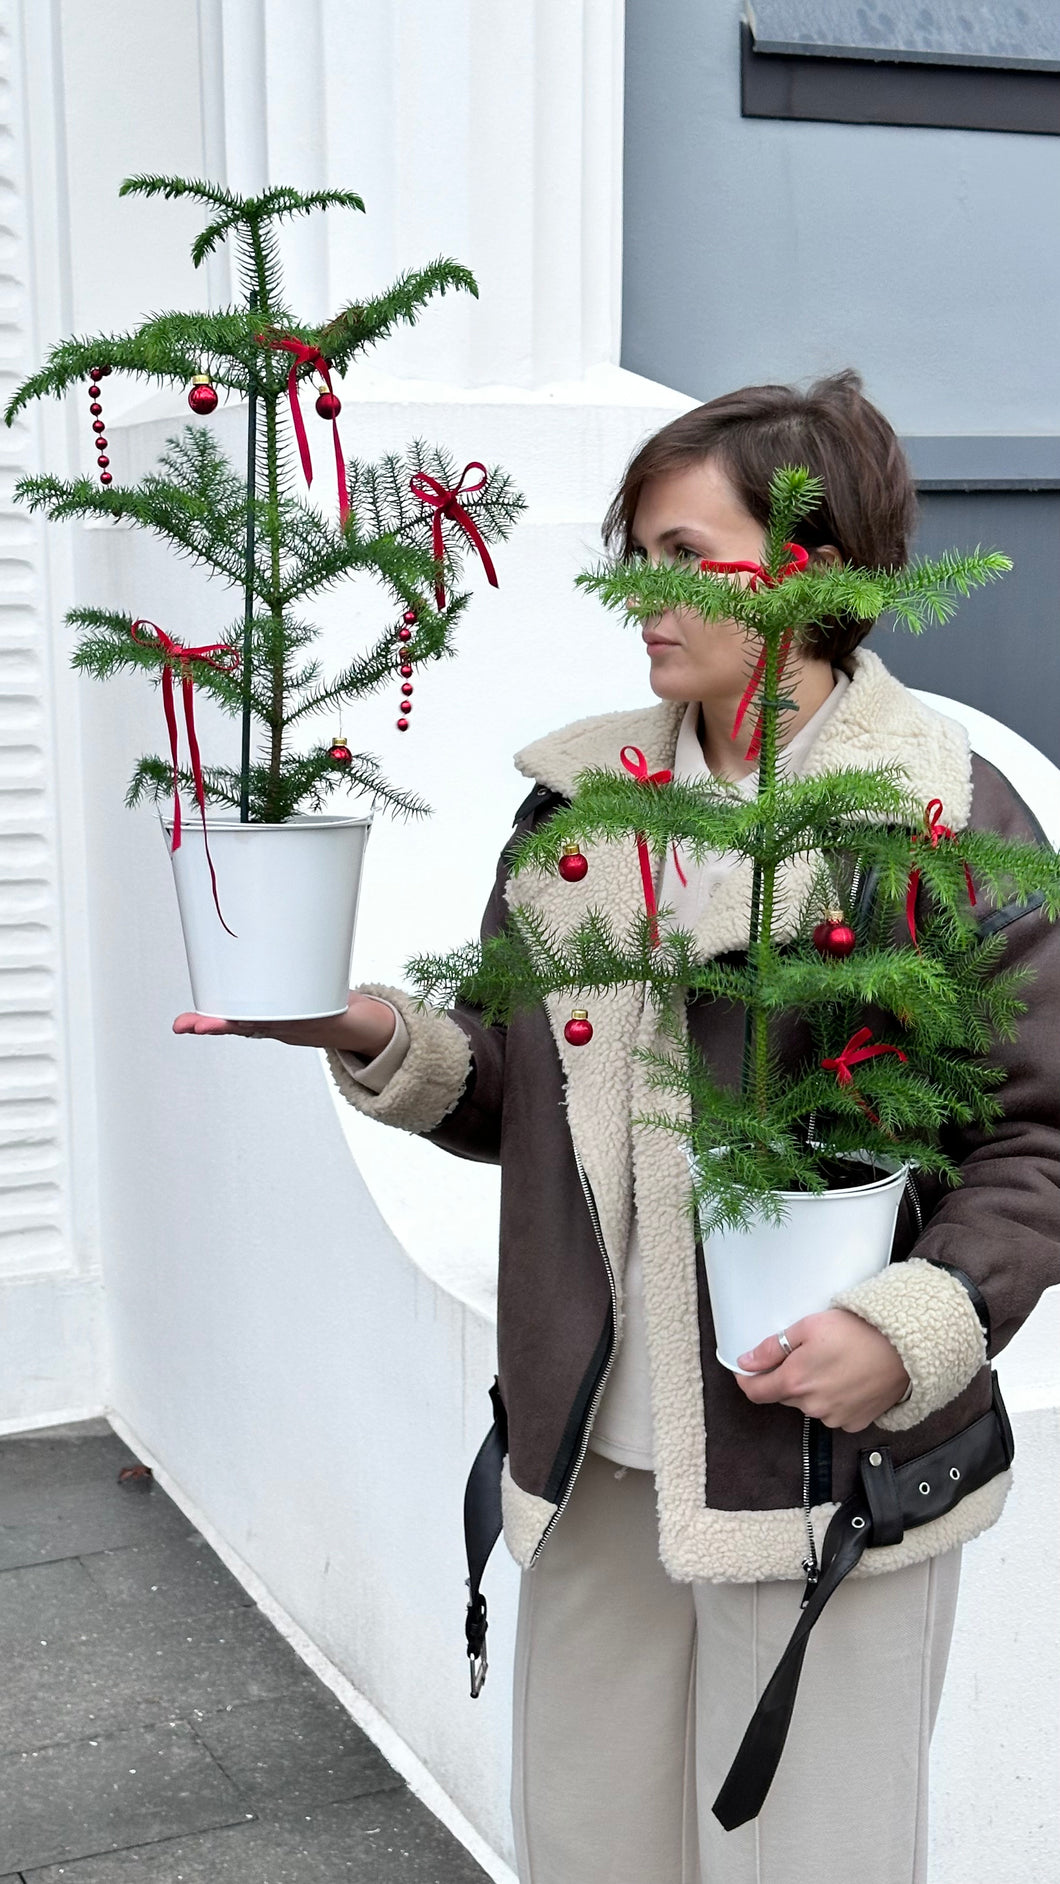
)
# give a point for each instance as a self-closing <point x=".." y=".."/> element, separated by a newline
<point x="656" y="642"/>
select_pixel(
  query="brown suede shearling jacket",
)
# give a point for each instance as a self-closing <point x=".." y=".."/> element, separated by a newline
<point x="967" y="1267"/>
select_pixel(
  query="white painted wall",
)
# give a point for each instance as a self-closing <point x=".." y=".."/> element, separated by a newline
<point x="312" y="1382"/>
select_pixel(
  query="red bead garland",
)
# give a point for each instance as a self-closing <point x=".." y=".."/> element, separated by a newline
<point x="96" y="373"/>
<point x="404" y="634"/>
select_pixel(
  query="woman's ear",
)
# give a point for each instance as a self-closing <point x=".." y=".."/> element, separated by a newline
<point x="827" y="553"/>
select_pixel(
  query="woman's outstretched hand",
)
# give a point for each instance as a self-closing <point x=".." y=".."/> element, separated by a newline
<point x="365" y="1028"/>
<point x="841" y="1370"/>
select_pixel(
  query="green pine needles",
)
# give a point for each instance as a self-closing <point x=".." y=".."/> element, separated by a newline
<point x="258" y="533"/>
<point x="941" y="1003"/>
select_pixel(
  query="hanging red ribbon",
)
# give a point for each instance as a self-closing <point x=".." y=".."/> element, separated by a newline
<point x="638" y="765"/>
<point x="933" y="831"/>
<point x="445" y="504"/>
<point x="184" y="658"/>
<point x="853" y="1053"/>
<point x="306" y="355"/>
<point x="760" y="576"/>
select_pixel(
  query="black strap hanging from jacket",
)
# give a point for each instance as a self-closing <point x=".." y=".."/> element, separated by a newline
<point x="482" y="1527"/>
<point x="890" y="1500"/>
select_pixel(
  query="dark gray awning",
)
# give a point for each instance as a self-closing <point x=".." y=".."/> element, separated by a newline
<point x="1017" y="33"/>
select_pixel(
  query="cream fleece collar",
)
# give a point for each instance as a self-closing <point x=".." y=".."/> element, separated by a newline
<point x="877" y="722"/>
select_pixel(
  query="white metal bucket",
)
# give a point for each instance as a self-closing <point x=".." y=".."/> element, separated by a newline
<point x="763" y="1279"/>
<point x="289" y="892"/>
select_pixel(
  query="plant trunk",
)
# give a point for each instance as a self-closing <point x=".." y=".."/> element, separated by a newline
<point x="766" y="876"/>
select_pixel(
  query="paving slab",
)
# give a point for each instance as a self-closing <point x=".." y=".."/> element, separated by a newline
<point x="183" y="1578"/>
<point x="300" y="1748"/>
<point x="71" y="1514"/>
<point x="110" y="1792"/>
<point x="388" y="1839"/>
<point x="111" y="1667"/>
<point x="41" y="1598"/>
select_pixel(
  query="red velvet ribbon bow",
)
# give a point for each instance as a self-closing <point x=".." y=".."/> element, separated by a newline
<point x="184" y="657"/>
<point x="445" y="504"/>
<point x="638" y="766"/>
<point x="855" y="1051"/>
<point x="760" y="576"/>
<point x="933" y="830"/>
<point x="306" y="355"/>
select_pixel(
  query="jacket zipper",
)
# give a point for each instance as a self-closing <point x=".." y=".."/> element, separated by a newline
<point x="910" y="1191"/>
<point x="810" y="1565"/>
<point x="598" y="1392"/>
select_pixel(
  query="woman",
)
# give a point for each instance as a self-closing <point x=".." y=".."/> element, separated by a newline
<point x="659" y="1503"/>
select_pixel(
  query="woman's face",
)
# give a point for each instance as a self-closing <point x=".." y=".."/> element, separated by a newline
<point x="682" y="517"/>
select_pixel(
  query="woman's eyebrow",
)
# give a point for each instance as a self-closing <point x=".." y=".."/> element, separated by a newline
<point x="681" y="529"/>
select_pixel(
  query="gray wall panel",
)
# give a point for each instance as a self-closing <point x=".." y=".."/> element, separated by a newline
<point x="1001" y="651"/>
<point x="758" y="250"/>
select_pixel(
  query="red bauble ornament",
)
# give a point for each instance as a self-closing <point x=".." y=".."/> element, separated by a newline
<point x="834" y="937"/>
<point x="578" y="1032"/>
<point x="203" y="397"/>
<point x="403" y="726"/>
<point x="409" y="616"/>
<point x="329" y="405"/>
<point x="340" y="752"/>
<point x="572" y="865"/>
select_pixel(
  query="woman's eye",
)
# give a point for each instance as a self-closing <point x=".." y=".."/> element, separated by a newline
<point x="684" y="553"/>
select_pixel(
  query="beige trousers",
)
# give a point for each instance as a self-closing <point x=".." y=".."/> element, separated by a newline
<point x="632" y="1694"/>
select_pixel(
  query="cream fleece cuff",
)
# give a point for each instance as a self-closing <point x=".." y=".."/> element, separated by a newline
<point x="431" y="1077"/>
<point x="928" y="1316"/>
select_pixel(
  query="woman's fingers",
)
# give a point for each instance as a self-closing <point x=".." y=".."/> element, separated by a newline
<point x="202" y="1024"/>
<point x="768" y="1353"/>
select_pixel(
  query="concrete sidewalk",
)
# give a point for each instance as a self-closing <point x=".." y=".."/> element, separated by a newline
<point x="154" y="1726"/>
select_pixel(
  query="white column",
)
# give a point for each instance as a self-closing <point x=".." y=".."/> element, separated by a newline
<point x="491" y="134"/>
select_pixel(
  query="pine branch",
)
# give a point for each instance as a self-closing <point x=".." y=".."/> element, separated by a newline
<point x="381" y="496"/>
<point x="793" y="495"/>
<point x="364" y="324"/>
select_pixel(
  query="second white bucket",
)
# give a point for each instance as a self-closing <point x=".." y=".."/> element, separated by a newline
<point x="762" y="1279"/>
<point x="289" y="892"/>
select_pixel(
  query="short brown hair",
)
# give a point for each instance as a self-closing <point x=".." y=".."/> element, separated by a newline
<point x="869" y="506"/>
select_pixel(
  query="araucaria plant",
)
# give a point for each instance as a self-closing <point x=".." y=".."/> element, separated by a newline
<point x="892" y="983"/>
<point x="258" y="533"/>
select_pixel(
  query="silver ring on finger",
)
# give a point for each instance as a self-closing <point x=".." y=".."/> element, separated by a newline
<point x="784" y="1342"/>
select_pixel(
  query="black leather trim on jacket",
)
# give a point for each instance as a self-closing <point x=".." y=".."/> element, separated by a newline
<point x="977" y="1300"/>
<point x="572" y="1431"/>
<point x="997" y="919"/>
<point x="820" y="1463"/>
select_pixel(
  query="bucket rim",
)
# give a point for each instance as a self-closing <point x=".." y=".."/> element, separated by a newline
<point x="302" y="821"/>
<point x="898" y="1175"/>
